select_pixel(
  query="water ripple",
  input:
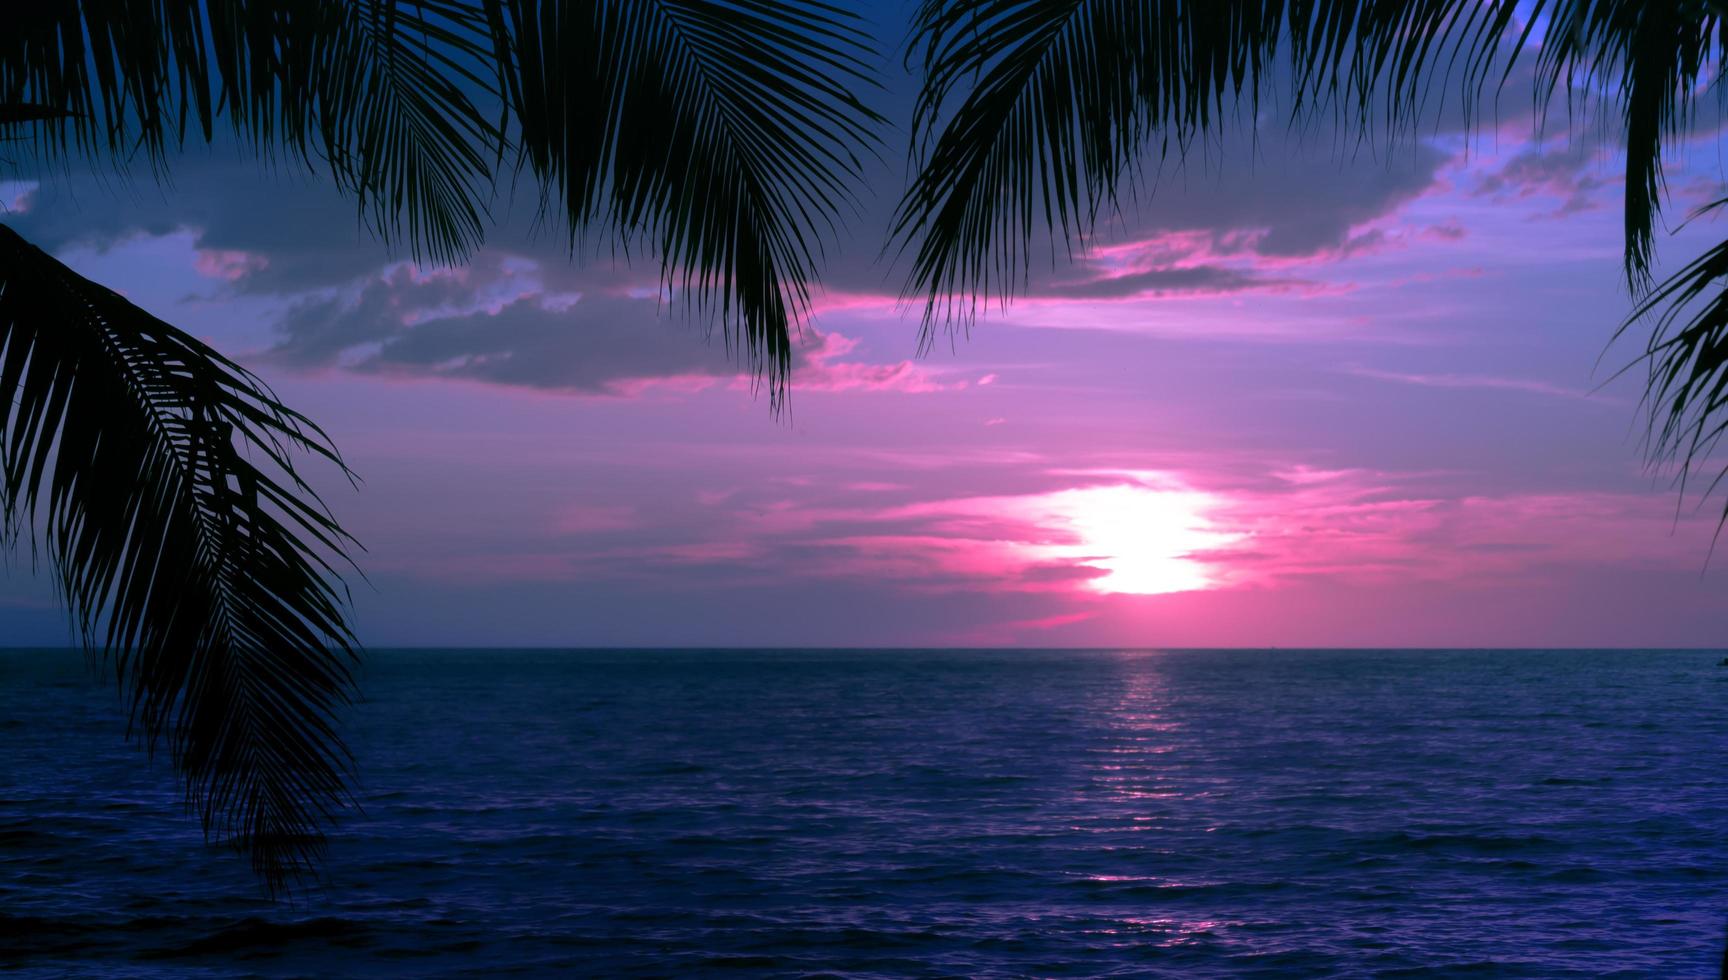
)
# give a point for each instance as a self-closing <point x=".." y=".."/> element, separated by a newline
<point x="918" y="812"/>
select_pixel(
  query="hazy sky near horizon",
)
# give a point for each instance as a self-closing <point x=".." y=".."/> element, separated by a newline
<point x="1305" y="393"/>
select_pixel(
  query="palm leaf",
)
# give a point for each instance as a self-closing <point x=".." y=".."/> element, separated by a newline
<point x="399" y="125"/>
<point x="723" y="135"/>
<point x="720" y="134"/>
<point x="160" y="478"/>
<point x="1686" y="354"/>
<point x="17" y="113"/>
<point x="1032" y="112"/>
<point x="383" y="94"/>
<point x="1651" y="56"/>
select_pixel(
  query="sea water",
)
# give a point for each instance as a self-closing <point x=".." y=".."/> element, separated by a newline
<point x="916" y="813"/>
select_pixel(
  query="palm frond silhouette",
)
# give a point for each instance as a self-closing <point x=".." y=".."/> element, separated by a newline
<point x="721" y="136"/>
<point x="131" y="444"/>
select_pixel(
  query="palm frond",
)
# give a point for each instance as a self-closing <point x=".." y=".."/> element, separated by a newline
<point x="1686" y="354"/>
<point x="399" y="122"/>
<point x="1652" y="57"/>
<point x="723" y="135"/>
<point x="17" y="113"/>
<point x="1032" y="112"/>
<point x="1055" y="100"/>
<point x="160" y="477"/>
<point x="384" y="94"/>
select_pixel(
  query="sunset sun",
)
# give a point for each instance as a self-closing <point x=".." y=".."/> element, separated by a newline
<point x="1147" y="541"/>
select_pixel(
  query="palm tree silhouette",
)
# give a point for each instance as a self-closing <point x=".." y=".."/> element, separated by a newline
<point x="161" y="477"/>
<point x="1036" y="114"/>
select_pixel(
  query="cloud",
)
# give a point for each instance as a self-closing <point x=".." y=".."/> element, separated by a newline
<point x="1168" y="281"/>
<point x="1356" y="526"/>
<point x="504" y="319"/>
<point x="1574" y="175"/>
<point x="1478" y="381"/>
<point x="229" y="265"/>
<point x="1242" y="221"/>
<point x="1297" y="196"/>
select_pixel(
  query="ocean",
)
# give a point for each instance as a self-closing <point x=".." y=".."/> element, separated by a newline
<point x="917" y="813"/>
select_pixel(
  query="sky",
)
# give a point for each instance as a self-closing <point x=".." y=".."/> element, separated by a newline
<point x="1303" y="392"/>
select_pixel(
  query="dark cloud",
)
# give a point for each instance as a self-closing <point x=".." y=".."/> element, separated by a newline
<point x="498" y="321"/>
<point x="1176" y="280"/>
<point x="317" y="332"/>
<point x="494" y="321"/>
<point x="1303" y="198"/>
<point x="598" y="346"/>
<point x="1302" y="191"/>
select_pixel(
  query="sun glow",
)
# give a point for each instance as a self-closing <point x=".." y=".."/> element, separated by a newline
<point x="1147" y="540"/>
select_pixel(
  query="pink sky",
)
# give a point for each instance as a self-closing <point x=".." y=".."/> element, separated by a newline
<point x="1296" y="398"/>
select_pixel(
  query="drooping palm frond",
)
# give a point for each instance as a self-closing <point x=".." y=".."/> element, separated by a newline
<point x="1051" y="111"/>
<point x="1652" y="59"/>
<point x="15" y="113"/>
<point x="1686" y="392"/>
<point x="723" y="134"/>
<point x="160" y="477"/>
<point x="399" y="120"/>
<point x="385" y="95"/>
<point x="1032" y="112"/>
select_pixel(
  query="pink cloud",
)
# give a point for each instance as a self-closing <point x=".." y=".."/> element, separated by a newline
<point x="825" y="370"/>
<point x="228" y="265"/>
<point x="903" y="376"/>
<point x="1575" y="175"/>
<point x="1099" y="539"/>
<point x="1357" y="526"/>
<point x="1443" y="380"/>
<point x="698" y="553"/>
<point x="1202" y="264"/>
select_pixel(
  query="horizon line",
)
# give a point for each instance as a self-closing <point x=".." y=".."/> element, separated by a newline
<point x="758" y="648"/>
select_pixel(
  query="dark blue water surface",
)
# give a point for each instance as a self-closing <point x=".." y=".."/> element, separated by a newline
<point x="910" y="813"/>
